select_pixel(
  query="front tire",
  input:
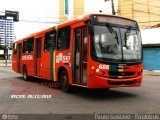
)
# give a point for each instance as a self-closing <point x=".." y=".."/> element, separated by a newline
<point x="64" y="80"/>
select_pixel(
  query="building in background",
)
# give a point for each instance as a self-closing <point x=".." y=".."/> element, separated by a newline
<point x="6" y="31"/>
<point x="73" y="8"/>
<point x="151" y="48"/>
<point x="146" y="12"/>
<point x="7" y="36"/>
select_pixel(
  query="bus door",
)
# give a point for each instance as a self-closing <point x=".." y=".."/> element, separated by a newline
<point x="37" y="61"/>
<point x="80" y="56"/>
<point x="19" y="57"/>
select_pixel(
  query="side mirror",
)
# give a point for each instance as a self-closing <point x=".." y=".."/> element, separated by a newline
<point x="90" y="29"/>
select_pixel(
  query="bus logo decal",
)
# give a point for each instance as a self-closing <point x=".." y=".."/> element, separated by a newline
<point x="62" y="58"/>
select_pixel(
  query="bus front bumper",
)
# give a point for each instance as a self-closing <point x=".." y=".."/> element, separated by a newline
<point x="103" y="82"/>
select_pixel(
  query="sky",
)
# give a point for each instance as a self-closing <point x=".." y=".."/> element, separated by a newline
<point x="34" y="15"/>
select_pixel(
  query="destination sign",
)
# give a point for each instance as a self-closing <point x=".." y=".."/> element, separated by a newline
<point x="114" y="20"/>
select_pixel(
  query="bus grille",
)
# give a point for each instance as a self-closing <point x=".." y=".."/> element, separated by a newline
<point x="121" y="73"/>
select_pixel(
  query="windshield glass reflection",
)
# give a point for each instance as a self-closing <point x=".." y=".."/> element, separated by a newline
<point x="110" y="42"/>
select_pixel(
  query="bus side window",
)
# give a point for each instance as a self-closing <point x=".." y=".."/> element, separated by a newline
<point x="77" y="46"/>
<point x="28" y="45"/>
<point x="63" y="38"/>
<point x="50" y="38"/>
<point x="85" y="45"/>
<point x="24" y="46"/>
<point x="14" y="48"/>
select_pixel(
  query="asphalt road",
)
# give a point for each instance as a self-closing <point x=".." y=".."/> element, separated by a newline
<point x="140" y="100"/>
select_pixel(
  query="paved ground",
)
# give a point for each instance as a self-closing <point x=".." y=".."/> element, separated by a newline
<point x="3" y="63"/>
<point x="144" y="99"/>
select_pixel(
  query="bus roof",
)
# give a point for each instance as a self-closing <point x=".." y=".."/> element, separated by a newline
<point x="86" y="17"/>
<point x="69" y="22"/>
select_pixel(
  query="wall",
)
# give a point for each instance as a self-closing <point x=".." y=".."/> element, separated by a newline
<point x="81" y="7"/>
<point x="94" y="7"/>
<point x="150" y="36"/>
<point x="76" y="8"/>
<point x="146" y="12"/>
<point x="151" y="58"/>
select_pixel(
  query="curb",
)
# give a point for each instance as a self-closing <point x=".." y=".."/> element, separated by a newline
<point x="151" y="73"/>
<point x="3" y="65"/>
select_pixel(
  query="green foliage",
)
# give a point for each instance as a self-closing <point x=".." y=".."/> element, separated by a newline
<point x="2" y="57"/>
<point x="2" y="47"/>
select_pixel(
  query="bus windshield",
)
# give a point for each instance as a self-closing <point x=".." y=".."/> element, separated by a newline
<point x="116" y="43"/>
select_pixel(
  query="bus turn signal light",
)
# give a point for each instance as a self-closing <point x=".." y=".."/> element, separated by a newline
<point x="92" y="67"/>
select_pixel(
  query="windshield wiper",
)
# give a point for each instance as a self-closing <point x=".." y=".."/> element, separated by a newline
<point x="112" y="31"/>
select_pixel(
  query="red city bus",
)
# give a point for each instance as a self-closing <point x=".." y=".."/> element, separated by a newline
<point x="92" y="51"/>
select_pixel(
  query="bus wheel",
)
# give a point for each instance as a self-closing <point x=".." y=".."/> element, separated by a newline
<point x="25" y="76"/>
<point x="64" y="80"/>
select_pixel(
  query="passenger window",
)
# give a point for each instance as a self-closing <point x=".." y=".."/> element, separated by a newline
<point x="85" y="43"/>
<point x="63" y="38"/>
<point x="50" y="38"/>
<point x="14" y="48"/>
<point x="28" y="45"/>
